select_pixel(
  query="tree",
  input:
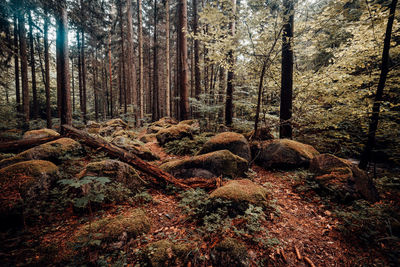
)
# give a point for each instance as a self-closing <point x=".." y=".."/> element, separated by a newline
<point x="140" y="45"/>
<point x="47" y="70"/>
<point x="182" y="60"/>
<point x="63" y="65"/>
<point x="16" y="63"/>
<point x="24" y="62"/>
<point x="373" y="126"/>
<point x="231" y="60"/>
<point x="285" y="129"/>
<point x="167" y="62"/>
<point x="156" y="107"/>
<point x="33" y="68"/>
<point x="197" y="78"/>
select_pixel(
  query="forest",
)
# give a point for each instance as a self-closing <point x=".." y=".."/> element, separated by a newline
<point x="200" y="133"/>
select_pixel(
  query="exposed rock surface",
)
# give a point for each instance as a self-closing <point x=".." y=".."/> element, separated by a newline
<point x="282" y="153"/>
<point x="342" y="178"/>
<point x="221" y="162"/>
<point x="234" y="142"/>
<point x="175" y="132"/>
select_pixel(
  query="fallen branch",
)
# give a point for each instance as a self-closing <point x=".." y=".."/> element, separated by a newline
<point x="308" y="261"/>
<point x="18" y="145"/>
<point x="299" y="257"/>
<point x="123" y="155"/>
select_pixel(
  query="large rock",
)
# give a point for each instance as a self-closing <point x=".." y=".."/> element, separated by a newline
<point x="282" y="153"/>
<point x="25" y="181"/>
<point x="175" y="132"/>
<point x="234" y="142"/>
<point x="115" y="170"/>
<point x="162" y="123"/>
<point x="230" y="252"/>
<point x="134" y="146"/>
<point x="53" y="151"/>
<point x="41" y="133"/>
<point x="221" y="162"/>
<point x="342" y="178"/>
<point x="112" y="126"/>
<point x="115" y="228"/>
<point x="243" y="190"/>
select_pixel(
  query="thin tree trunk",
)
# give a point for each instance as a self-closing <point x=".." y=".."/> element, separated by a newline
<point x="47" y="70"/>
<point x="260" y="88"/>
<point x="16" y="64"/>
<point x="140" y="44"/>
<point x="167" y="62"/>
<point x="197" y="78"/>
<point x="95" y="90"/>
<point x="229" y="87"/>
<point x="156" y="107"/>
<point x="33" y="68"/>
<point x="373" y="126"/>
<point x="83" y="66"/>
<point x="110" y="73"/>
<point x="221" y="94"/>
<point x="183" y="55"/>
<point x="24" y="66"/>
<point x="78" y="40"/>
<point x="285" y="129"/>
<point x="122" y="58"/>
<point x="73" y="85"/>
<point x="132" y="85"/>
<point x="62" y="43"/>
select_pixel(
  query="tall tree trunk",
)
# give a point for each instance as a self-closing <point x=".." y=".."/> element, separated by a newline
<point x="182" y="63"/>
<point x="197" y="78"/>
<point x="231" y="61"/>
<point x="285" y="129"/>
<point x="132" y="84"/>
<point x="156" y="107"/>
<point x="167" y="62"/>
<point x="73" y="84"/>
<point x="373" y="126"/>
<point x="221" y="94"/>
<point x="33" y="68"/>
<point x="83" y="66"/>
<point x="47" y="70"/>
<point x="110" y="72"/>
<point x="24" y="65"/>
<point x="16" y="63"/>
<point x="63" y="75"/>
<point x="122" y="57"/>
<point x="95" y="89"/>
<point x="140" y="44"/>
<point x="78" y="41"/>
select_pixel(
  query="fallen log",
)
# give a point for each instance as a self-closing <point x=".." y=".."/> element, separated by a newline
<point x="160" y="176"/>
<point x="23" y="144"/>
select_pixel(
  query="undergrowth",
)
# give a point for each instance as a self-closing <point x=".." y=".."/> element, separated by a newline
<point x="186" y="146"/>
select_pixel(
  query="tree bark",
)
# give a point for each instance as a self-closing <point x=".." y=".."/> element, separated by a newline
<point x="16" y="63"/>
<point x="33" y="68"/>
<point x="23" y="144"/>
<point x="83" y="66"/>
<point x="285" y="129"/>
<point x="156" y="107"/>
<point x="260" y="89"/>
<point x="63" y="74"/>
<point x="78" y="41"/>
<point x="24" y="65"/>
<point x="122" y="58"/>
<point x="140" y="44"/>
<point x="132" y="84"/>
<point x="229" y="87"/>
<point x="373" y="126"/>
<point x="182" y="60"/>
<point x="167" y="62"/>
<point x="47" y="70"/>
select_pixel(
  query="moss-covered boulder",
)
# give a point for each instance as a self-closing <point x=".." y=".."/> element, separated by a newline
<point x="162" y="123"/>
<point x="166" y="253"/>
<point x="134" y="146"/>
<point x="116" y="123"/>
<point x="109" y="229"/>
<point x="53" y="151"/>
<point x="41" y="133"/>
<point x="234" y="142"/>
<point x="243" y="190"/>
<point x="115" y="170"/>
<point x="230" y="252"/>
<point x="342" y="179"/>
<point x="25" y="181"/>
<point x="124" y="133"/>
<point x="282" y="153"/>
<point x="112" y="126"/>
<point x="175" y="132"/>
<point x="217" y="163"/>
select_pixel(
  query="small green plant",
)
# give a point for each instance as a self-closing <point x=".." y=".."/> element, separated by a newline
<point x="143" y="197"/>
<point x="186" y="146"/>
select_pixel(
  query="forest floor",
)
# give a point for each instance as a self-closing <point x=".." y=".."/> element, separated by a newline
<point x="307" y="232"/>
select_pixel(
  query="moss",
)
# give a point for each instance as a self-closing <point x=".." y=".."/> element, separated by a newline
<point x="234" y="142"/>
<point x="148" y="138"/>
<point x="221" y="162"/>
<point x="116" y="123"/>
<point x="133" y="223"/>
<point x="174" y="132"/>
<point x="242" y="190"/>
<point x="41" y="133"/>
<point x="166" y="253"/>
<point x="231" y="252"/>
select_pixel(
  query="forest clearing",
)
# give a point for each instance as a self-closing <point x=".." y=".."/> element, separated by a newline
<point x="199" y="133"/>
